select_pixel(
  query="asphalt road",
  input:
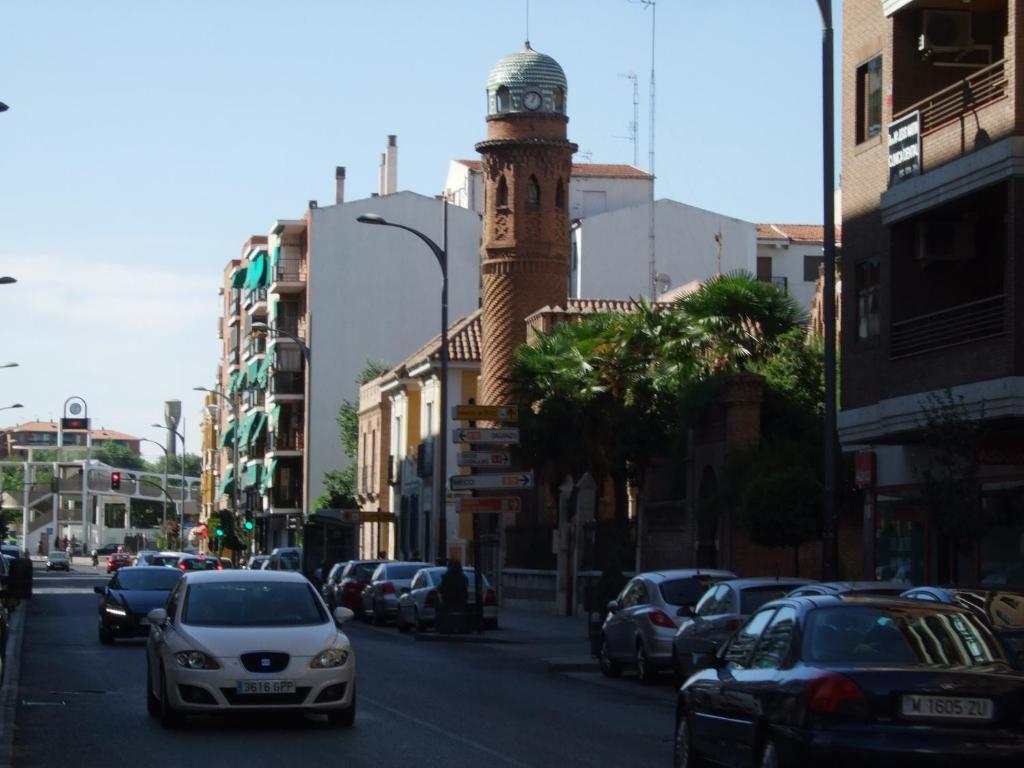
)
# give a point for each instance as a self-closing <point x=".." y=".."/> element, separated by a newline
<point x="424" y="704"/>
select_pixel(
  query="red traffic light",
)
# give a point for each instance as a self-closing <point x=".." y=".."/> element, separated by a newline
<point x="115" y="481"/>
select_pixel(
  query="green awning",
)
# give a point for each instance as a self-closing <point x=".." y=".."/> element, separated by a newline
<point x="252" y="475"/>
<point x="261" y="375"/>
<point x="238" y="279"/>
<point x="227" y="483"/>
<point x="252" y="372"/>
<point x="274" y="416"/>
<point x="243" y="432"/>
<point x="233" y="383"/>
<point x="258" y="430"/>
<point x="268" y="476"/>
<point x="227" y="436"/>
<point x="257" y="270"/>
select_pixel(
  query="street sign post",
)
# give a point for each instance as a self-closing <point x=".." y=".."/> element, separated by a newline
<point x="496" y="459"/>
<point x="485" y="413"/>
<point x="488" y="505"/>
<point x="508" y="436"/>
<point x="507" y="482"/>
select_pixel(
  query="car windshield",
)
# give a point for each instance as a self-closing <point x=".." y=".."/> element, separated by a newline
<point x="685" y="591"/>
<point x="753" y="598"/>
<point x="289" y="561"/>
<point x="362" y="571"/>
<point x="251" y="604"/>
<point x="872" y="635"/>
<point x="402" y="571"/>
<point x="201" y="564"/>
<point x="171" y="560"/>
<point x="145" y="580"/>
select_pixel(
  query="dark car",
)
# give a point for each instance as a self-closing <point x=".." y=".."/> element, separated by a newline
<point x="851" y="589"/>
<point x="1002" y="609"/>
<point x="354" y="579"/>
<point x="721" y="610"/>
<point x="331" y="582"/>
<point x="107" y="549"/>
<point x="129" y="596"/>
<point x="863" y="681"/>
<point x="117" y="561"/>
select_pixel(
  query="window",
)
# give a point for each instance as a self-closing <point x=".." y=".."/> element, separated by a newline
<point x="869" y="99"/>
<point x="866" y="281"/>
<point x="288" y="359"/>
<point x="764" y="268"/>
<point x="812" y="265"/>
<point x="776" y="640"/>
<point x="559" y="99"/>
<point x="746" y="637"/>
<point x="634" y="594"/>
<point x="502" y="193"/>
<point x="715" y="602"/>
<point x="533" y="193"/>
<point x="560" y="195"/>
<point x="503" y="100"/>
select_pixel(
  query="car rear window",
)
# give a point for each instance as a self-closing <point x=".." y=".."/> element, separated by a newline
<point x="202" y="564"/>
<point x="251" y="604"/>
<point x="685" y="591"/>
<point x="873" y="635"/>
<point x="753" y="598"/>
<point x="143" y="579"/>
<point x="170" y="560"/>
<point x="402" y="571"/>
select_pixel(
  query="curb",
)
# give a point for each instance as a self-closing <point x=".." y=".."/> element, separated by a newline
<point x="573" y="665"/>
<point x="9" y="690"/>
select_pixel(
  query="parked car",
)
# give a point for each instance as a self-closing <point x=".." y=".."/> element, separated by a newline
<point x="851" y="589"/>
<point x="257" y="562"/>
<point x="10" y="550"/>
<point x="285" y="559"/>
<point x="811" y="681"/>
<point x="230" y="641"/>
<point x="129" y="596"/>
<point x="389" y="580"/>
<point x="108" y="549"/>
<point x="58" y="561"/>
<point x="1001" y="609"/>
<point x="643" y="619"/>
<point x="118" y="560"/>
<point x="199" y="563"/>
<point x="330" y="582"/>
<point x="166" y="558"/>
<point x="354" y="579"/>
<point x="719" y="613"/>
<point x="417" y="608"/>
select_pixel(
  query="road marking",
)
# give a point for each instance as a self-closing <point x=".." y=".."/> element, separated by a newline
<point x="62" y="591"/>
<point x="27" y="703"/>
<point x="449" y="734"/>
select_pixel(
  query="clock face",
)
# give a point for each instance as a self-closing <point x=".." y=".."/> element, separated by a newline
<point x="532" y="100"/>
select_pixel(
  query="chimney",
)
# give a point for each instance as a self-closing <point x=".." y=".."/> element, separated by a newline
<point x="380" y="176"/>
<point x="391" y="166"/>
<point x="339" y="184"/>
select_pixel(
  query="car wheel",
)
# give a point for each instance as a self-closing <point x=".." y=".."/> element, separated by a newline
<point x="106" y="636"/>
<point x="609" y="667"/>
<point x="684" y="755"/>
<point x="169" y="716"/>
<point x="769" y="756"/>
<point x="343" y="717"/>
<point x="152" y="702"/>
<point x="644" y="671"/>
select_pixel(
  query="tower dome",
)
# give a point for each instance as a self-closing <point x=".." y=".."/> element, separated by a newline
<point x="526" y="81"/>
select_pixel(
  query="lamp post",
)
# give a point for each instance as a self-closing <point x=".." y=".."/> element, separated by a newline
<point x="163" y="521"/>
<point x="307" y="355"/>
<point x="9" y="365"/>
<point x="830" y="540"/>
<point x="441" y="254"/>
<point x="181" y="514"/>
<point x="8" y="407"/>
<point x="233" y="402"/>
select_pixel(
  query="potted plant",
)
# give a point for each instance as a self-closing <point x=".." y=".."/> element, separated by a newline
<point x="451" y="611"/>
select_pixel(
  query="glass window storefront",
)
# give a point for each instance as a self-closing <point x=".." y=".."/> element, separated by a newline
<point x="900" y="544"/>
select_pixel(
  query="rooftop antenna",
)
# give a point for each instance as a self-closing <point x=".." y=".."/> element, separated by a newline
<point x="527" y="23"/>
<point x="718" y="248"/>
<point x="653" y="272"/>
<point x="634" y="126"/>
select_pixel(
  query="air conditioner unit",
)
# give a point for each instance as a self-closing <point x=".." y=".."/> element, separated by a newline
<point x="945" y="240"/>
<point x="945" y="31"/>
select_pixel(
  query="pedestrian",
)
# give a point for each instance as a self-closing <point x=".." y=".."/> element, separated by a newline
<point x="68" y="551"/>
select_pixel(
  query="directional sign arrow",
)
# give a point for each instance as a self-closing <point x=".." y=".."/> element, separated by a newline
<point x="485" y="412"/>
<point x="515" y="481"/>
<point x="486" y="436"/>
<point x="496" y="459"/>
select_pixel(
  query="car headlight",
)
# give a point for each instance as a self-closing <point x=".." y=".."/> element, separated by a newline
<point x="332" y="657"/>
<point x="115" y="610"/>
<point x="195" y="660"/>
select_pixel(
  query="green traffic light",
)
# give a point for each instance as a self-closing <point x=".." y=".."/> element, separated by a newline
<point x="219" y="532"/>
<point x="248" y="525"/>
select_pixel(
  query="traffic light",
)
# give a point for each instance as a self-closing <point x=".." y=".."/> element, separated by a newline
<point x="115" y="481"/>
<point x="219" y="531"/>
<point x="248" y="520"/>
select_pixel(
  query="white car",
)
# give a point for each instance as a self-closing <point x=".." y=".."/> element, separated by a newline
<point x="248" y="640"/>
<point x="144" y="556"/>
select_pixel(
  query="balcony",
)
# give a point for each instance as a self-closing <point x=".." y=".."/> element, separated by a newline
<point x="256" y="300"/>
<point x="961" y="99"/>
<point x="957" y="325"/>
<point x="288" y="383"/>
<point x="286" y="441"/>
<point x="257" y="345"/>
<point x="235" y="303"/>
<point x="289" y="276"/>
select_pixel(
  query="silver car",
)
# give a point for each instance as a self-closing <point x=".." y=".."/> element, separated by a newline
<point x="644" y="618"/>
<point x="417" y="608"/>
<point x="380" y="597"/>
<point x="248" y="640"/>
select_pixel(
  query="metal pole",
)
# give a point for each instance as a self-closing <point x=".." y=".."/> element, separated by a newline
<point x="26" y="483"/>
<point x="442" y="444"/>
<point x="830" y="534"/>
<point x="181" y="523"/>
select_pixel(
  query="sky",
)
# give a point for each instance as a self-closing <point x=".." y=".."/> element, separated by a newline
<point x="146" y="140"/>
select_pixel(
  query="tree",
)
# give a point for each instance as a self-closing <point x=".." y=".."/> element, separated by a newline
<point x="117" y="455"/>
<point x="172" y="465"/>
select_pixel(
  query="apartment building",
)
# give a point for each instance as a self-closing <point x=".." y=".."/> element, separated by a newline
<point x="933" y="138"/>
<point x="44" y="434"/>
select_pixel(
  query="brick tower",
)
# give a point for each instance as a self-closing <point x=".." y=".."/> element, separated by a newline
<point x="526" y="162"/>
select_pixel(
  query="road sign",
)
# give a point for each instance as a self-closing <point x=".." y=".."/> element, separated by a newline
<point x="485" y="412"/>
<point x="486" y="436"/>
<point x="510" y="482"/>
<point x="484" y="459"/>
<point x="486" y="504"/>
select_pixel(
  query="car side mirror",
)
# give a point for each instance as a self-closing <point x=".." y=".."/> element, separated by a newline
<point x="686" y="611"/>
<point x="99" y="590"/>
<point x="613" y="606"/>
<point x="342" y="614"/>
<point x="157" y="617"/>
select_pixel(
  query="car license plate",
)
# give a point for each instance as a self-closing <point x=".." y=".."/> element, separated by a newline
<point x="266" y="686"/>
<point x="946" y="708"/>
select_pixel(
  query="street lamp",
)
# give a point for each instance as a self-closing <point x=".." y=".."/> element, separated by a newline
<point x="181" y="515"/>
<point x="8" y="407"/>
<point x="233" y="402"/>
<point x="3" y="107"/>
<point x="7" y="280"/>
<point x="9" y="365"/>
<point x="830" y="539"/>
<point x="441" y="254"/>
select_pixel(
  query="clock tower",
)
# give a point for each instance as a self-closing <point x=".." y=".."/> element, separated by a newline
<point x="527" y="162"/>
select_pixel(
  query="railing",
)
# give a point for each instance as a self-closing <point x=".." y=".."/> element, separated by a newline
<point x="286" y="498"/>
<point x="235" y="300"/>
<point x="288" y="383"/>
<point x="254" y="296"/>
<point x="233" y="355"/>
<point x="290" y="271"/>
<point x="286" y="441"/>
<point x="779" y="281"/>
<point x="296" y="328"/>
<point x="980" y="88"/>
<point x="257" y="344"/>
<point x="956" y="325"/>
